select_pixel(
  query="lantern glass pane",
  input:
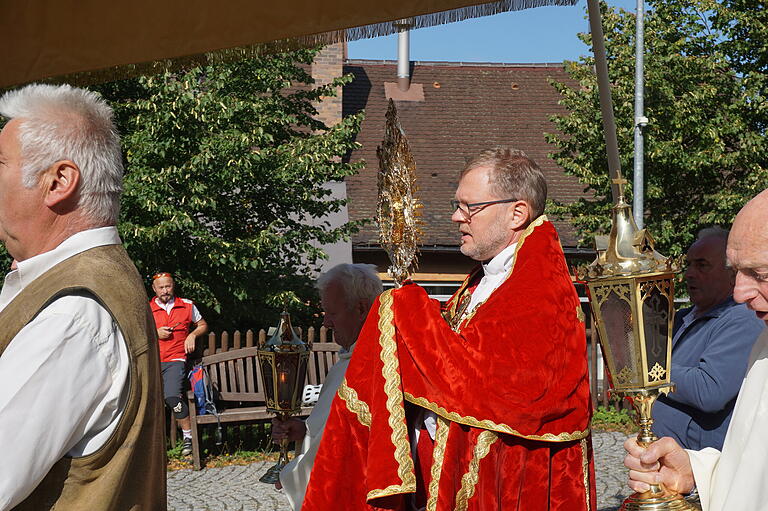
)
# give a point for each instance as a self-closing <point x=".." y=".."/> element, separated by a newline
<point x="269" y="384"/>
<point x="301" y="374"/>
<point x="656" y="329"/>
<point x="616" y="314"/>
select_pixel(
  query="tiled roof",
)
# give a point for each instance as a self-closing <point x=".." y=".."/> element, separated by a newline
<point x="466" y="108"/>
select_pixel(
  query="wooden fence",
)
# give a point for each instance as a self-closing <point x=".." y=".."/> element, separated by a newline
<point x="225" y="341"/>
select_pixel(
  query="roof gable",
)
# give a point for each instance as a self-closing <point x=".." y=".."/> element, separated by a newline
<point x="466" y="108"/>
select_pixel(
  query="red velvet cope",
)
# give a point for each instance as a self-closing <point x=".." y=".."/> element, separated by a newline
<point x="510" y="387"/>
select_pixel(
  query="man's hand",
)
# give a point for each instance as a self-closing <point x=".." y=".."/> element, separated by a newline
<point x="291" y="429"/>
<point x="189" y="344"/>
<point x="164" y="332"/>
<point x="664" y="461"/>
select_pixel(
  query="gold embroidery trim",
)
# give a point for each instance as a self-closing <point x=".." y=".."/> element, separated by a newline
<point x="459" y="302"/>
<point x="354" y="404"/>
<point x="469" y="480"/>
<point x="388" y="355"/>
<point x="441" y="439"/>
<point x="585" y="468"/>
<point x="528" y="230"/>
<point x="392" y="489"/>
<point x="449" y="314"/>
<point x="490" y="425"/>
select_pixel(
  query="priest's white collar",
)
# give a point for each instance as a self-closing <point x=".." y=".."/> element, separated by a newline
<point x="501" y="263"/>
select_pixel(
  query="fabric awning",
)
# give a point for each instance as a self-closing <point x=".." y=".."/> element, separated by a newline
<point x="93" y="40"/>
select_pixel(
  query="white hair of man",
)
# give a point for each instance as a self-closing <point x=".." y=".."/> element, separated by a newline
<point x="359" y="282"/>
<point x="61" y="122"/>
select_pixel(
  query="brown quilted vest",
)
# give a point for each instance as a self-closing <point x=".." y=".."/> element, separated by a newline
<point x="128" y="471"/>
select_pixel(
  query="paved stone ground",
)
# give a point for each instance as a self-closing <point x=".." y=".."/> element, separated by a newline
<point x="239" y="489"/>
<point x="610" y="474"/>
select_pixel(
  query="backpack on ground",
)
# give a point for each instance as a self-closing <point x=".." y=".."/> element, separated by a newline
<point x="205" y="400"/>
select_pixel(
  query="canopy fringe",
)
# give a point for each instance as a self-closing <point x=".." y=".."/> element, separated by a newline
<point x="306" y="41"/>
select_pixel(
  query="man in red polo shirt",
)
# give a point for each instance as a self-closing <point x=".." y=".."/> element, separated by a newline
<point x="178" y="324"/>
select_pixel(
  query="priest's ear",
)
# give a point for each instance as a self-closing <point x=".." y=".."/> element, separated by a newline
<point x="519" y="215"/>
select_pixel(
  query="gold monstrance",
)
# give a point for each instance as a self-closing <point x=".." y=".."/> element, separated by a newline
<point x="399" y="208"/>
<point x="283" y="359"/>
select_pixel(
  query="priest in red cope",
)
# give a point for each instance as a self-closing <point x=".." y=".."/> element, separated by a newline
<point x="483" y="405"/>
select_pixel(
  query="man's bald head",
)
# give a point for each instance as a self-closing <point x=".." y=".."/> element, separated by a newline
<point x="748" y="254"/>
<point x="751" y="221"/>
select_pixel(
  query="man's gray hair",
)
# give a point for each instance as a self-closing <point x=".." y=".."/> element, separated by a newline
<point x="359" y="282"/>
<point x="714" y="231"/>
<point x="514" y="176"/>
<point x="61" y="122"/>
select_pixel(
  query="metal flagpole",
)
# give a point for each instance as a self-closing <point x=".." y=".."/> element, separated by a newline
<point x="638" y="188"/>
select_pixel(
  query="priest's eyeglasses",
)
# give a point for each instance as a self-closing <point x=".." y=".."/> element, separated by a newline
<point x="469" y="209"/>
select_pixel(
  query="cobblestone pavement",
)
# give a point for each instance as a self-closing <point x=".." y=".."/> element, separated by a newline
<point x="610" y="474"/>
<point x="239" y="489"/>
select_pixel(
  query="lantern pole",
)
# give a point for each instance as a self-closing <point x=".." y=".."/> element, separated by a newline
<point x="631" y="294"/>
<point x="606" y="103"/>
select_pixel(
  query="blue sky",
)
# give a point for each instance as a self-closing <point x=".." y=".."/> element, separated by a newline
<point x="543" y="34"/>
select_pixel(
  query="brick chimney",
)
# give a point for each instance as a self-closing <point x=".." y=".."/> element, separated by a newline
<point x="329" y="64"/>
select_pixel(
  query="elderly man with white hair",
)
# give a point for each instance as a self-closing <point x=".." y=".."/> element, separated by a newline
<point x="81" y="422"/>
<point x="346" y="294"/>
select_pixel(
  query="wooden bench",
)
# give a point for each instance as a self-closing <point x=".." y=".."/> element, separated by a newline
<point x="236" y="377"/>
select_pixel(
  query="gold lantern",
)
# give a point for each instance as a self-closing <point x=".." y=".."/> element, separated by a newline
<point x="631" y="293"/>
<point x="283" y="360"/>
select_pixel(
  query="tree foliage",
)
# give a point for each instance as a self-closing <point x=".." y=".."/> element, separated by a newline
<point x="705" y="89"/>
<point x="224" y="165"/>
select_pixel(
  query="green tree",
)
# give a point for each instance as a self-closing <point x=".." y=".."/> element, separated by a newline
<point x="224" y="165"/>
<point x="705" y="148"/>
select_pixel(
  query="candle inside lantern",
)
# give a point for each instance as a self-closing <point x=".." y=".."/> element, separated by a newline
<point x="284" y="390"/>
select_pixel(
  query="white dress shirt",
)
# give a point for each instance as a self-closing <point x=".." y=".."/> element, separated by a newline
<point x="63" y="378"/>
<point x="495" y="272"/>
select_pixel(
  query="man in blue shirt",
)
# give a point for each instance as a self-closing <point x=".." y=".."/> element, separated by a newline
<point x="711" y="345"/>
